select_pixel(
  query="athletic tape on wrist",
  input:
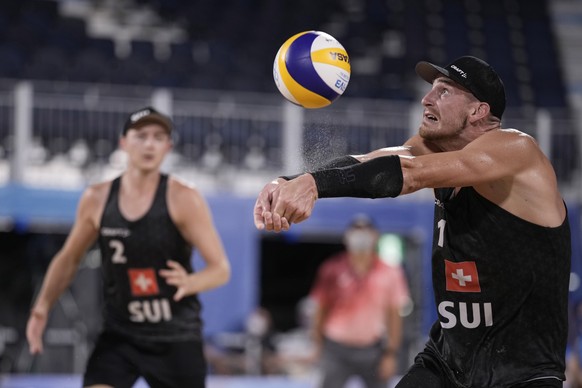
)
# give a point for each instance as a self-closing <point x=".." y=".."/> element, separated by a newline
<point x="377" y="178"/>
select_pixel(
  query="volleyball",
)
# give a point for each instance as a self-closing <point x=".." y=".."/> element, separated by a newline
<point x="312" y="69"/>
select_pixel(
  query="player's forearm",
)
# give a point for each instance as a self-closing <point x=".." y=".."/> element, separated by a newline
<point x="212" y="276"/>
<point x="377" y="178"/>
<point x="387" y="151"/>
<point x="58" y="277"/>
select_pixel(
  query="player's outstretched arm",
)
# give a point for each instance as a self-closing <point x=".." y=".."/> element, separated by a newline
<point x="290" y="199"/>
<point x="63" y="267"/>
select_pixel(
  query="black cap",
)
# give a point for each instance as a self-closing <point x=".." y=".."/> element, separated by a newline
<point x="362" y="220"/>
<point x="475" y="75"/>
<point x="147" y="115"/>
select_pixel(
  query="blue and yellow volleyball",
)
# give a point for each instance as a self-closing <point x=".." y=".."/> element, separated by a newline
<point x="312" y="69"/>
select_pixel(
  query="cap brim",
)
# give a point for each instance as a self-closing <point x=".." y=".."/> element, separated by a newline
<point x="152" y="118"/>
<point x="429" y="72"/>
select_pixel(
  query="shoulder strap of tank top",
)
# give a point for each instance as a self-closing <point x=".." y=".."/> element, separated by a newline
<point x="112" y="196"/>
<point x="444" y="194"/>
<point x="162" y="189"/>
<point x="114" y="189"/>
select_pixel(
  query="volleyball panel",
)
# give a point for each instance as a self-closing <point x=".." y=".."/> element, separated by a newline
<point x="278" y="77"/>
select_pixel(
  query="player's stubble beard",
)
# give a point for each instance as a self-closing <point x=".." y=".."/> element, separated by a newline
<point x="443" y="138"/>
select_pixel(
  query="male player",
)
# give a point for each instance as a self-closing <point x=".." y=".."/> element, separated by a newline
<point x="147" y="224"/>
<point x="501" y="244"/>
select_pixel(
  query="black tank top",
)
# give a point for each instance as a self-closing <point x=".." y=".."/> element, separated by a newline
<point x="138" y="302"/>
<point x="501" y="290"/>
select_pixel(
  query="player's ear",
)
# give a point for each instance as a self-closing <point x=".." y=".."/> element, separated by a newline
<point x="482" y="110"/>
<point x="479" y="111"/>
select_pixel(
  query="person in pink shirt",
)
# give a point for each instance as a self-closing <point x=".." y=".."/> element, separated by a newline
<point x="357" y="325"/>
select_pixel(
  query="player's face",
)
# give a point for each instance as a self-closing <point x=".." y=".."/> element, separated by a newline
<point x="446" y="110"/>
<point x="147" y="146"/>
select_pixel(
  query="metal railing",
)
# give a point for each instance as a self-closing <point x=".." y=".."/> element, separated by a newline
<point x="65" y="135"/>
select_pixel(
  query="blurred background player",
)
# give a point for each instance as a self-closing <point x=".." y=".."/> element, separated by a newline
<point x="146" y="224"/>
<point x="357" y="324"/>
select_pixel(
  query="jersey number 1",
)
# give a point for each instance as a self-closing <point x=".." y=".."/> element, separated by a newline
<point x="441" y="225"/>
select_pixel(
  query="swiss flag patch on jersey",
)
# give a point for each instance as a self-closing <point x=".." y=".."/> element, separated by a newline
<point x="462" y="277"/>
<point x="143" y="281"/>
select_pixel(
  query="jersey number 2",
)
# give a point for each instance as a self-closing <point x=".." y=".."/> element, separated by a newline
<point x="118" y="248"/>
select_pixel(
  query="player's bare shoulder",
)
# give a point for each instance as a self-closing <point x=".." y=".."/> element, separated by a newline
<point x="510" y="137"/>
<point x="93" y="202"/>
<point x="179" y="188"/>
<point x="183" y="197"/>
<point x="529" y="187"/>
<point x="511" y="145"/>
<point x="97" y="192"/>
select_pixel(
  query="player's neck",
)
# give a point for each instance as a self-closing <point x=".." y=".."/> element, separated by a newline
<point x="140" y="180"/>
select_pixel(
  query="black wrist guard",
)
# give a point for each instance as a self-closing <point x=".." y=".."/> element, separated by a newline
<point x="377" y="178"/>
<point x="342" y="161"/>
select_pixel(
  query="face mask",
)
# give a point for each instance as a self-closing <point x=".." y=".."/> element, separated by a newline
<point x="360" y="241"/>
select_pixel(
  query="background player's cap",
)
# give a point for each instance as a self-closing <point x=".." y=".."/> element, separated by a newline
<point x="147" y="115"/>
<point x="362" y="220"/>
<point x="472" y="73"/>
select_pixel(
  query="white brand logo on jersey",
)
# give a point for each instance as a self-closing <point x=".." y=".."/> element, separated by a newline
<point x="112" y="232"/>
<point x="154" y="311"/>
<point x="451" y="314"/>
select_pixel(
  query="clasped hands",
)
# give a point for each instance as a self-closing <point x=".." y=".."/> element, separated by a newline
<point x="282" y="203"/>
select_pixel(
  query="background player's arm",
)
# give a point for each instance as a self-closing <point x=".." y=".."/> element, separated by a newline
<point x="393" y="329"/>
<point x="192" y="216"/>
<point x="319" y="317"/>
<point x="393" y="323"/>
<point x="319" y="294"/>
<point x="63" y="267"/>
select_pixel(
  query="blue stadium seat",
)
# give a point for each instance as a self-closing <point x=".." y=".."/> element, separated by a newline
<point x="243" y="37"/>
<point x="90" y="65"/>
<point x="69" y="34"/>
<point x="105" y="46"/>
<point x="48" y="63"/>
<point x="13" y="60"/>
<point x="143" y="50"/>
